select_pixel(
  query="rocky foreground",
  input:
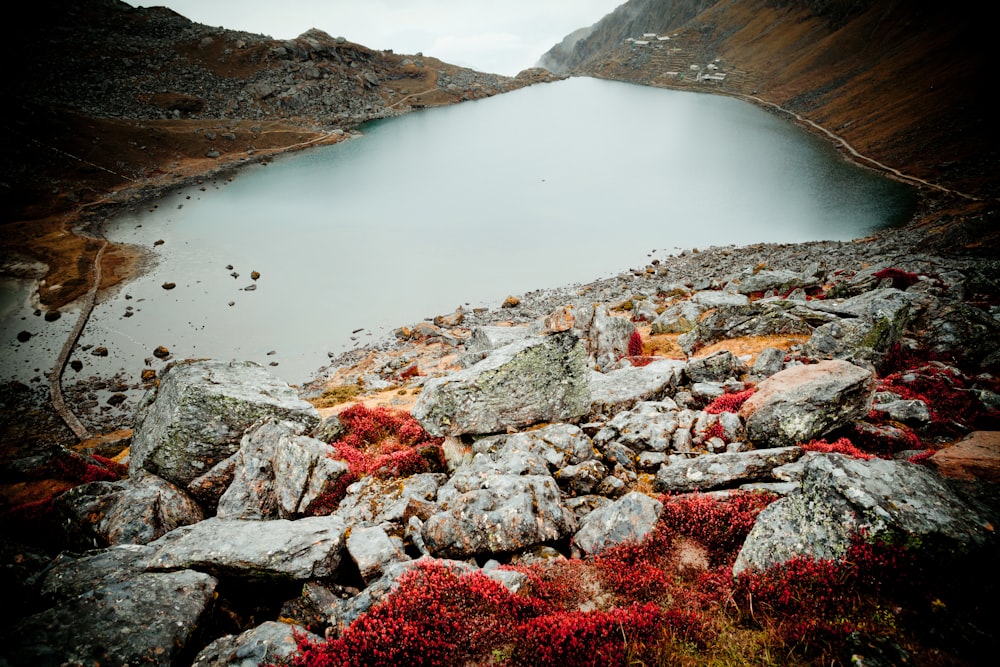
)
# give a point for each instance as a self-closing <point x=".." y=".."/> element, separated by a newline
<point x="587" y="456"/>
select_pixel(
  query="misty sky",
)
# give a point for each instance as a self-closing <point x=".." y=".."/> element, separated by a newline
<point x="502" y="36"/>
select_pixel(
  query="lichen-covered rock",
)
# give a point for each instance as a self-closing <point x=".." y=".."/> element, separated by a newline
<point x="582" y="478"/>
<point x="628" y="519"/>
<point x="558" y="445"/>
<point x="841" y="497"/>
<point x="719" y="299"/>
<point x="607" y="337"/>
<point x="278" y="473"/>
<point x="719" y="471"/>
<point x="871" y="323"/>
<point x="504" y="513"/>
<point x="107" y="611"/>
<point x="717" y="367"/>
<point x="806" y="402"/>
<point x="679" y="318"/>
<point x="649" y="426"/>
<point x="377" y="501"/>
<point x="266" y="644"/>
<point x="540" y="379"/>
<point x="197" y="416"/>
<point x="781" y="280"/>
<point x="621" y="389"/>
<point x="308" y="548"/>
<point x="136" y="510"/>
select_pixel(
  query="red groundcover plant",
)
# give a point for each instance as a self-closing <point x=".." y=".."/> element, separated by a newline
<point x="380" y="442"/>
<point x="731" y="402"/>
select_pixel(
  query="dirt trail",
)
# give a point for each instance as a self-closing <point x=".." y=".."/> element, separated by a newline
<point x="858" y="156"/>
<point x="55" y="376"/>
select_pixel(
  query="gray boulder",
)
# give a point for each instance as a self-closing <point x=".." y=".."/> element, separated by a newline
<point x="719" y="299"/>
<point x="540" y="379"/>
<point x="628" y="519"/>
<point x="106" y="610"/>
<point x="558" y="445"/>
<point x="268" y="643"/>
<point x="717" y="367"/>
<point x="278" y="473"/>
<point x="649" y="426"/>
<point x="309" y="548"/>
<point x="196" y="417"/>
<point x="502" y="513"/>
<point x="678" y="318"/>
<point x="136" y="510"/>
<point x="871" y="323"/>
<point x="806" y="402"/>
<point x="607" y="337"/>
<point x="764" y="281"/>
<point x="621" y="389"/>
<point x="770" y="361"/>
<point x="720" y="471"/>
<point x="372" y="550"/>
<point x="582" y="478"/>
<point x="376" y="502"/>
<point x="840" y="497"/>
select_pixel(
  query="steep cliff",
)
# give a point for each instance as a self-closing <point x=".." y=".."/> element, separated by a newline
<point x="900" y="81"/>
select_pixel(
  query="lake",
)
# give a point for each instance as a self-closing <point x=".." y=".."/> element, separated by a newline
<point x="463" y="205"/>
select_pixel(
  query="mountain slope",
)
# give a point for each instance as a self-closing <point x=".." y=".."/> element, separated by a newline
<point x="901" y="81"/>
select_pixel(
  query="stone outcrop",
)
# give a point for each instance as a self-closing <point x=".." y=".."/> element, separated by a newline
<point x="806" y="402"/>
<point x="105" y="609"/>
<point x="265" y="644"/>
<point x="725" y="470"/>
<point x="628" y="519"/>
<point x="136" y="510"/>
<point x="309" y="548"/>
<point x="278" y="473"/>
<point x="503" y="513"/>
<point x="842" y="498"/>
<point x="197" y="415"/>
<point x="539" y="379"/>
<point x="975" y="457"/>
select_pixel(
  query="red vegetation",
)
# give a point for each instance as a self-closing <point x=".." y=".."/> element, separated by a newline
<point x="816" y="601"/>
<point x="380" y="442"/>
<point x="900" y="279"/>
<point x="408" y="372"/>
<point x="731" y="402"/>
<point x="950" y="396"/>
<point x="635" y="345"/>
<point x="839" y="446"/>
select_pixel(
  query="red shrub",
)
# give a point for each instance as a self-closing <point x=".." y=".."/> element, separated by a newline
<point x="635" y="345"/>
<point x="586" y="639"/>
<point x="436" y="616"/>
<point x="818" y="601"/>
<point x="379" y="442"/>
<point x="839" y="446"/>
<point x="900" y="279"/>
<point x="731" y="402"/>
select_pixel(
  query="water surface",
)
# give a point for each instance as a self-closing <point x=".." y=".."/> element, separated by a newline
<point x="546" y="186"/>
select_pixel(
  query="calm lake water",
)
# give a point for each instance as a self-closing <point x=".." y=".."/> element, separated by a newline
<point x="546" y="186"/>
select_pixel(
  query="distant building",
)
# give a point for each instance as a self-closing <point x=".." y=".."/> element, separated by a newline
<point x="649" y="35"/>
<point x="641" y="42"/>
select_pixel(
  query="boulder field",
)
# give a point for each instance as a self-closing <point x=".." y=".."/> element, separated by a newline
<point x="857" y="403"/>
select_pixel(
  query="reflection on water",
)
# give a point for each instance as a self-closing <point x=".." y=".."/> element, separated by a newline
<point x="549" y="185"/>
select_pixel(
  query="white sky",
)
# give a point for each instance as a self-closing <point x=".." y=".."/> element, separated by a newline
<point x="501" y="36"/>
